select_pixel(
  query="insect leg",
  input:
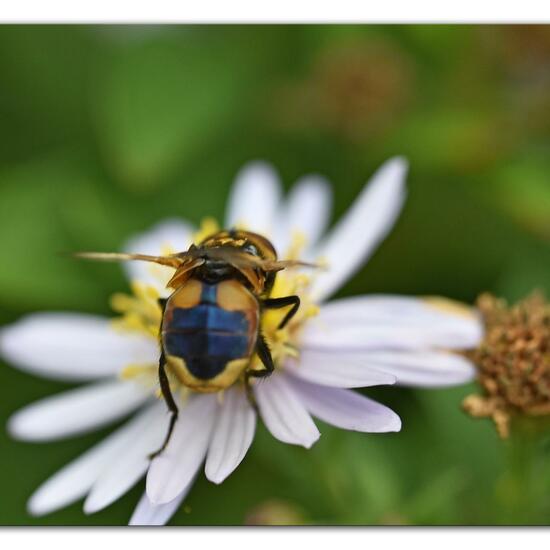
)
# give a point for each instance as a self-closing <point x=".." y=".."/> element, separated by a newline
<point x="276" y="303"/>
<point x="169" y="399"/>
<point x="262" y="349"/>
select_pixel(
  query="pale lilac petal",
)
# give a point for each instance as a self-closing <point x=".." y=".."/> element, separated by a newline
<point x="346" y="409"/>
<point x="232" y="436"/>
<point x="417" y="368"/>
<point x="338" y="370"/>
<point x="374" y="306"/>
<point x="77" y="411"/>
<point x="254" y="199"/>
<point x="73" y="346"/>
<point x="283" y="413"/>
<point x="388" y="322"/>
<point x="131" y="463"/>
<point x="362" y="338"/>
<point x="149" y="514"/>
<point x="171" y="471"/>
<point x="306" y="214"/>
<point x="74" y="480"/>
<point x="172" y="235"/>
<point x="449" y="324"/>
<point x="355" y="237"/>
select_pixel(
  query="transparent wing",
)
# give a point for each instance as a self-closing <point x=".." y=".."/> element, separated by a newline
<point x="174" y="260"/>
<point x="230" y="255"/>
<point x="241" y="259"/>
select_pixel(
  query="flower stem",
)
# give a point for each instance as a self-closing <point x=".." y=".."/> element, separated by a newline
<point x="515" y="491"/>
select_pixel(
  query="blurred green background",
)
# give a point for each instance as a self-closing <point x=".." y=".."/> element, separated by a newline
<point x="106" y="130"/>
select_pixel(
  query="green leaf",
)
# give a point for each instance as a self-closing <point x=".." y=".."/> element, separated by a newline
<point x="436" y="138"/>
<point x="33" y="236"/>
<point x="160" y="102"/>
<point x="436" y="500"/>
<point x="43" y="98"/>
<point x="521" y="189"/>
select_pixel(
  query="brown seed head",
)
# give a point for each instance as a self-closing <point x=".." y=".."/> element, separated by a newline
<point x="513" y="361"/>
<point x="357" y="90"/>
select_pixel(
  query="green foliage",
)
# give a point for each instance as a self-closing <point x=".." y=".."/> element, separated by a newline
<point x="159" y="104"/>
<point x="107" y="130"/>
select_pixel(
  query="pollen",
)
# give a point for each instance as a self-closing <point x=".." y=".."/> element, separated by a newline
<point x="283" y="343"/>
<point x="143" y="374"/>
<point x="133" y="371"/>
<point x="185" y="392"/>
<point x="297" y="244"/>
<point x="447" y="305"/>
<point x="513" y="361"/>
<point x="208" y="227"/>
<point x="139" y="312"/>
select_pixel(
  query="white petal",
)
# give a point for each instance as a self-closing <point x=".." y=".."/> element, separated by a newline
<point x="355" y="237"/>
<point x="171" y="235"/>
<point x="337" y="370"/>
<point x="77" y="411"/>
<point x="171" y="471"/>
<point x="418" y="368"/>
<point x="131" y="463"/>
<point x="388" y="323"/>
<point x="149" y="514"/>
<point x="306" y="213"/>
<point x="346" y="409"/>
<point x="283" y="413"/>
<point x="74" y="480"/>
<point x="460" y="320"/>
<point x="72" y="346"/>
<point x="232" y="436"/>
<point x="254" y="198"/>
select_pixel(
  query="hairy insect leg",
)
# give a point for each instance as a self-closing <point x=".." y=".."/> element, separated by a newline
<point x="276" y="303"/>
<point x="170" y="402"/>
<point x="162" y="303"/>
<point x="262" y="349"/>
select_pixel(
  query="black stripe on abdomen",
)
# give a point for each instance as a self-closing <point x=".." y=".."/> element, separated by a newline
<point x="207" y="337"/>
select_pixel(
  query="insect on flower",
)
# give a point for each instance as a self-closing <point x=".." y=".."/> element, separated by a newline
<point x="207" y="327"/>
<point x="211" y="322"/>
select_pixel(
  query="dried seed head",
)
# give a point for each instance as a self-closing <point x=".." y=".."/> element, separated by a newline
<point x="513" y="361"/>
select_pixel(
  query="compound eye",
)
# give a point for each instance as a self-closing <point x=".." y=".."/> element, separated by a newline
<point x="249" y="248"/>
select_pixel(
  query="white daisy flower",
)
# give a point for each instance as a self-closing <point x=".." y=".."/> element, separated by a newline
<point x="327" y="349"/>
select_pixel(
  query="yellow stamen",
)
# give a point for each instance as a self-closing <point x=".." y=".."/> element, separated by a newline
<point x="140" y="312"/>
<point x="449" y="306"/>
<point x="282" y="341"/>
<point x="145" y="375"/>
<point x="133" y="371"/>
<point x="184" y="394"/>
<point x="297" y="244"/>
<point x="208" y="227"/>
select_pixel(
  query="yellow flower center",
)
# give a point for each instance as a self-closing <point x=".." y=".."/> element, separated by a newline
<point x="284" y="342"/>
<point x="208" y="227"/>
<point x="140" y="312"/>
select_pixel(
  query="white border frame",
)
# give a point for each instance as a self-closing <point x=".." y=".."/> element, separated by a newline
<point x="281" y="11"/>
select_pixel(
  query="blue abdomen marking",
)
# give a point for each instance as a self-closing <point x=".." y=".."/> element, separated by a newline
<point x="207" y="336"/>
<point x="209" y="317"/>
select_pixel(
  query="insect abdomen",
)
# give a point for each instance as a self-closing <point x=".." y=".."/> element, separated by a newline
<point x="209" y="333"/>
